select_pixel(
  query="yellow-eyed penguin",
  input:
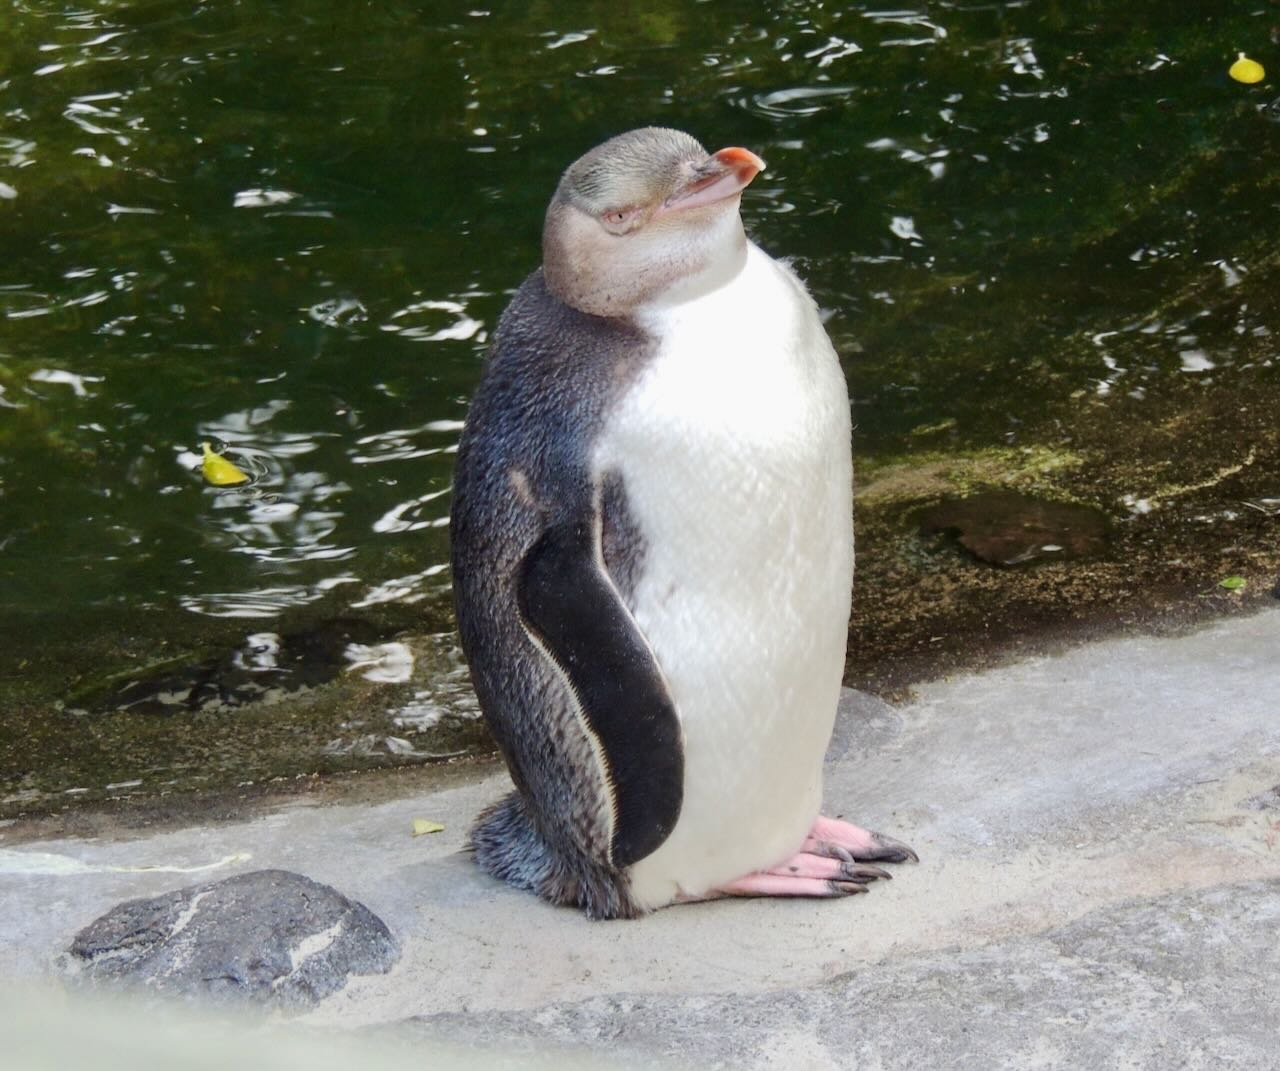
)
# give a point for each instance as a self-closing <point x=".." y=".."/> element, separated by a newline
<point x="652" y="546"/>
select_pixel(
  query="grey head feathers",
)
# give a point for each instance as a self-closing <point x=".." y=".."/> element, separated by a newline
<point x="647" y="214"/>
<point x="632" y="169"/>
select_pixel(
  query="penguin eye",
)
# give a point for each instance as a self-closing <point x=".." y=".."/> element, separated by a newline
<point x="620" y="220"/>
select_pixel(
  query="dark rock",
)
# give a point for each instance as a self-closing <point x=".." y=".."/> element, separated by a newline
<point x="1007" y="528"/>
<point x="271" y="937"/>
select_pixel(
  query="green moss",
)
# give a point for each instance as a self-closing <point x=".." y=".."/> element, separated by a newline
<point x="889" y="481"/>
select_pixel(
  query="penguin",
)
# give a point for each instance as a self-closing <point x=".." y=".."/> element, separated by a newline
<point x="652" y="551"/>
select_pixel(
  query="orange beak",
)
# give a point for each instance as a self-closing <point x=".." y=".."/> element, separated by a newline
<point x="722" y="175"/>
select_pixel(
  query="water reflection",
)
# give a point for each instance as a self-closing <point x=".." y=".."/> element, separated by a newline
<point x="90" y="115"/>
<point x="262" y="198"/>
<point x="16" y="152"/>
<point x="799" y="101"/>
<point x="339" y="312"/>
<point x="69" y="379"/>
<point x="263" y="668"/>
<point x="409" y="589"/>
<point x="1020" y="57"/>
<point x="933" y="160"/>
<point x="418" y="322"/>
<point x="263" y="603"/>
<point x="294" y="237"/>
<point x="409" y="516"/>
<point x="401" y="444"/>
<point x="385" y="663"/>
<point x="444" y="692"/>
<point x="836" y="48"/>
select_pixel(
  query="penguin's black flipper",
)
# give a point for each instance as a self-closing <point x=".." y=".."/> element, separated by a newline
<point x="572" y="608"/>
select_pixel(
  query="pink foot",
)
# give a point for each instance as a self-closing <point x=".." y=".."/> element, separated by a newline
<point x="804" y="875"/>
<point x="807" y="865"/>
<point x="766" y="883"/>
<point x="831" y="863"/>
<point x="843" y="840"/>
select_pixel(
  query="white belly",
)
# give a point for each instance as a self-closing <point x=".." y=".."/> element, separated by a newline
<point x="734" y="450"/>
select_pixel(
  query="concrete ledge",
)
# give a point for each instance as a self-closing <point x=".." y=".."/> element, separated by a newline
<point x="1100" y="841"/>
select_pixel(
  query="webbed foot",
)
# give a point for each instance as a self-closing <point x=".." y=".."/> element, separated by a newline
<point x="842" y="840"/>
<point x="834" y="861"/>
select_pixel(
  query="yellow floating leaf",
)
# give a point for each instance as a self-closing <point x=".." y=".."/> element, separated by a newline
<point x="218" y="470"/>
<point x="422" y="825"/>
<point x="1246" y="70"/>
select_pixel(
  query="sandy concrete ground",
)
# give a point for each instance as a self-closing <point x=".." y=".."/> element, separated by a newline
<point x="1099" y="884"/>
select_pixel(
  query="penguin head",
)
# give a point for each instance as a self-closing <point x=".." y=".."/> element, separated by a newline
<point x="647" y="214"/>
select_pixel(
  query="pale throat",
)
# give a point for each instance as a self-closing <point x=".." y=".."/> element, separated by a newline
<point x="724" y="260"/>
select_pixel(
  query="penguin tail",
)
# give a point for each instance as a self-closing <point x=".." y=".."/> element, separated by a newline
<point x="508" y="844"/>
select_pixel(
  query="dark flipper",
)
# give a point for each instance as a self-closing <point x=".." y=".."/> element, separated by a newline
<point x="573" y="610"/>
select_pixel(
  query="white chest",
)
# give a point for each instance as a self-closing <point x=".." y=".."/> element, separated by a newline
<point x="734" y="451"/>
<point x="741" y="419"/>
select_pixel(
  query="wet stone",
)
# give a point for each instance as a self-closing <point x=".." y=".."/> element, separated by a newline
<point x="270" y="938"/>
<point x="1009" y="529"/>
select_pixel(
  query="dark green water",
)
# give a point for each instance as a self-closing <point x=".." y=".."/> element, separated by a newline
<point x="289" y="227"/>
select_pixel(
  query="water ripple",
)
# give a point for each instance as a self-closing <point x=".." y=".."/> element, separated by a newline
<point x="65" y="378"/>
<point x="799" y="101"/>
<point x="408" y="517"/>
<point x="400" y="444"/>
<point x="338" y="312"/>
<point x="405" y="589"/>
<point x="16" y="152"/>
<point x="836" y="48"/>
<point x="422" y="324"/>
<point x="257" y="198"/>
<point x="262" y="603"/>
<point x="573" y="38"/>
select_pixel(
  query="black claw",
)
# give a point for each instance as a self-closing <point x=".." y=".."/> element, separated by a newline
<point x="834" y="851"/>
<point x="861" y="873"/>
<point x="890" y="850"/>
<point x="886" y="850"/>
<point x="845" y="888"/>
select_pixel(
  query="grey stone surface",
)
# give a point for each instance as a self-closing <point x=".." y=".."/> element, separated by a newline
<point x="269" y="937"/>
<point x="1100" y="858"/>
<point x="1186" y="980"/>
<point x="864" y="724"/>
<point x="45" y="1030"/>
